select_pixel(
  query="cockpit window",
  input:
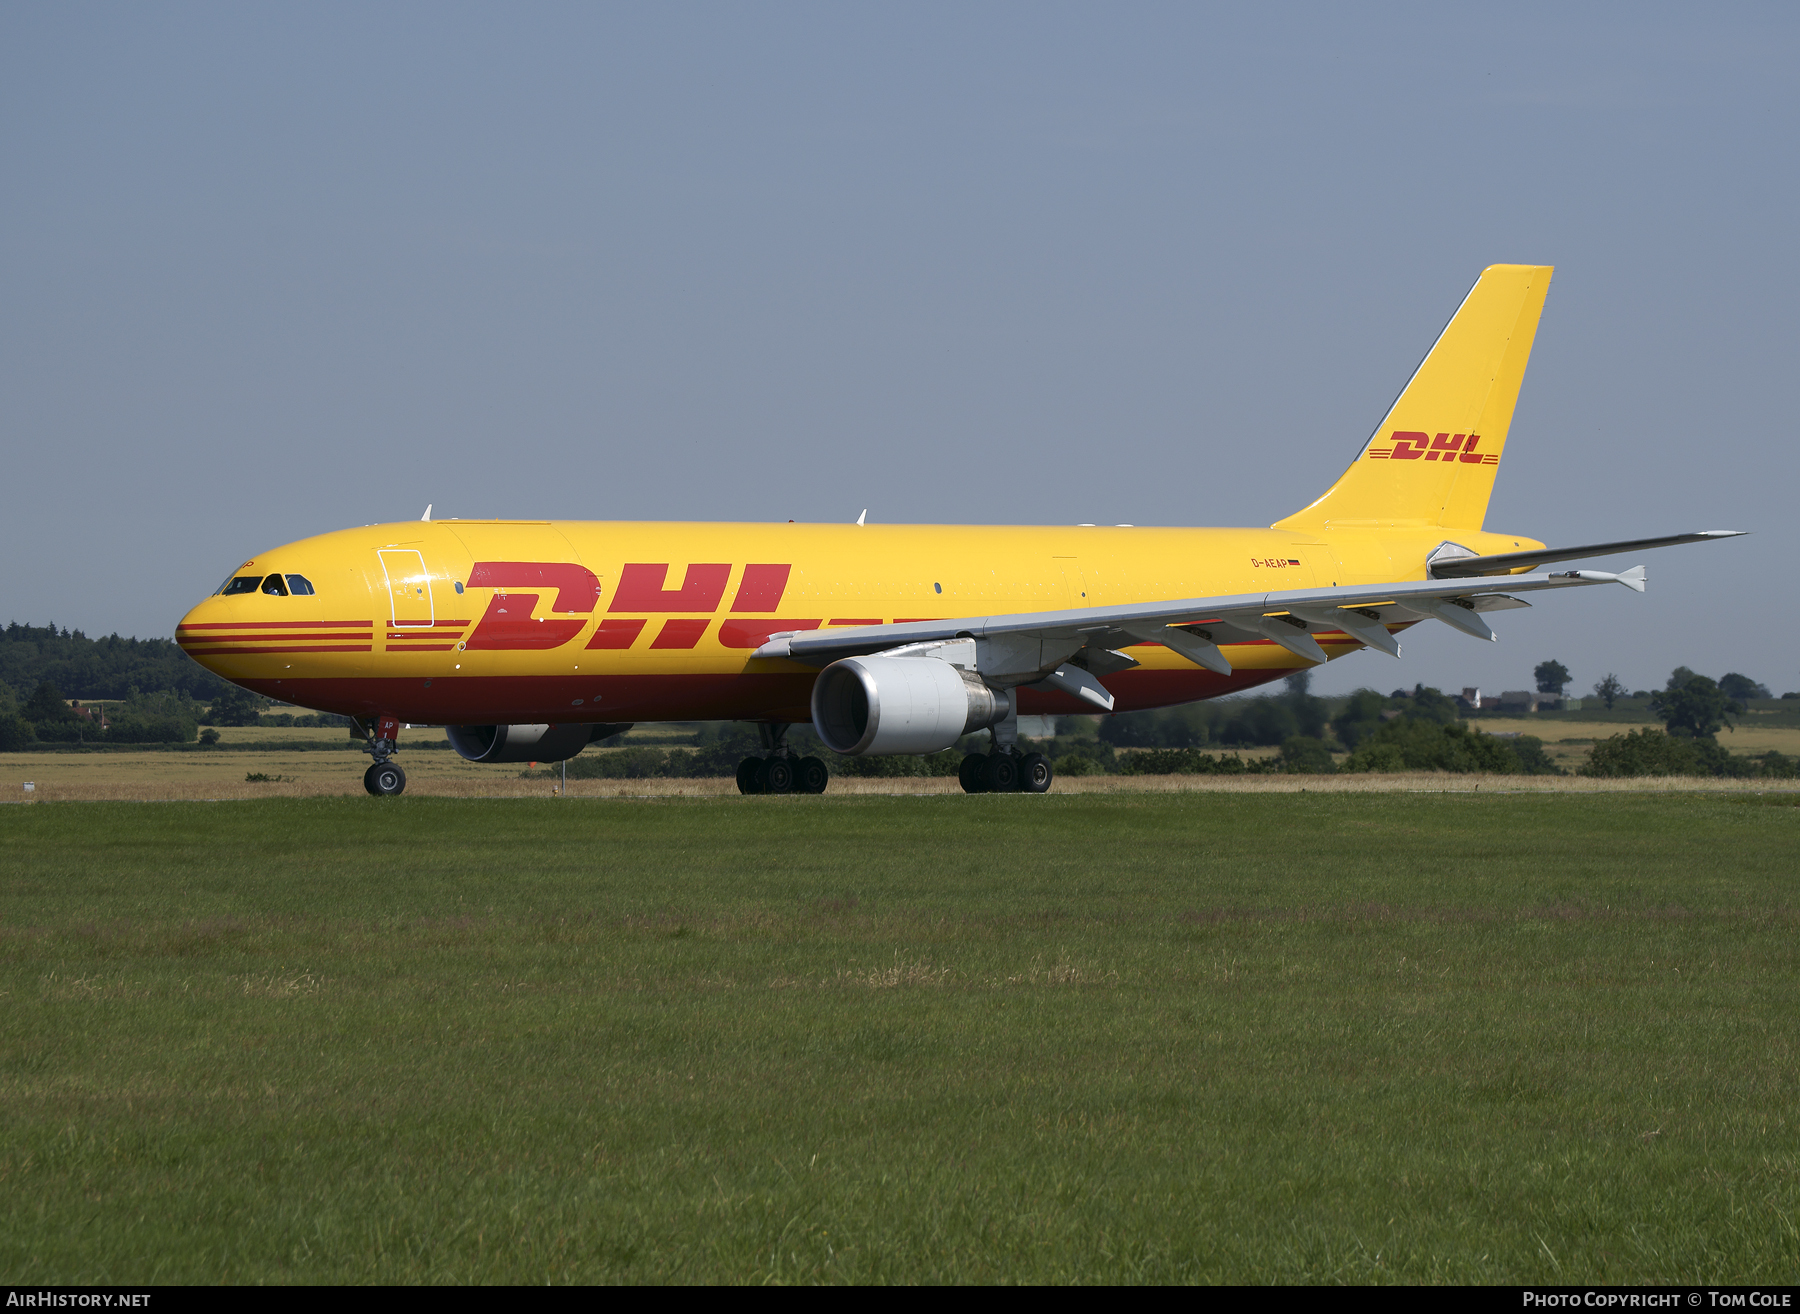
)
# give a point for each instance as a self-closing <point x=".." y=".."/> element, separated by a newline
<point x="276" y="586"/>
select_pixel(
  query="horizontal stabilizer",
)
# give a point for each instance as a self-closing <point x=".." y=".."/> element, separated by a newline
<point x="1463" y="567"/>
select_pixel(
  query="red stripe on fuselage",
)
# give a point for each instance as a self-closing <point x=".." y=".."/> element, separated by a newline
<point x="282" y="625"/>
<point x="203" y="639"/>
<point x="310" y="647"/>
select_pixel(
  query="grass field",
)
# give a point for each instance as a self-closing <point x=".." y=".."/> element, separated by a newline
<point x="1228" y="1036"/>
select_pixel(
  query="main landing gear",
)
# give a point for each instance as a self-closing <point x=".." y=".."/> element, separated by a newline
<point x="1005" y="771"/>
<point x="384" y="778"/>
<point x="781" y="772"/>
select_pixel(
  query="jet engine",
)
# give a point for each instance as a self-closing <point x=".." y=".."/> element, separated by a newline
<point x="526" y="743"/>
<point x="901" y="705"/>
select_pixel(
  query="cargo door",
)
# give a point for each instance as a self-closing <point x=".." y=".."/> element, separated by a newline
<point x="409" y="587"/>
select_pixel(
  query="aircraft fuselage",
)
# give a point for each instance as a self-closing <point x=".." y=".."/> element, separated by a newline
<point x="468" y="621"/>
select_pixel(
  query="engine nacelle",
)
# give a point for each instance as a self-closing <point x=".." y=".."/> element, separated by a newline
<point x="525" y="743"/>
<point x="901" y="705"/>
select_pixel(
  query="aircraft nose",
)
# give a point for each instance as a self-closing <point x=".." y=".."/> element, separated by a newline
<point x="193" y="627"/>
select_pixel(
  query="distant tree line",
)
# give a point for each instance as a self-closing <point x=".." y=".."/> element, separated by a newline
<point x="163" y="717"/>
<point x="1738" y="687"/>
<point x="140" y="718"/>
<point x="111" y="667"/>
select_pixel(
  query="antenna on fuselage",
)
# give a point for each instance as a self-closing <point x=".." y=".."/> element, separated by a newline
<point x="427" y="514"/>
<point x="864" y="516"/>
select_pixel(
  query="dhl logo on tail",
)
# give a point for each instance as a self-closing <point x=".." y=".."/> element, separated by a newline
<point x="1411" y="444"/>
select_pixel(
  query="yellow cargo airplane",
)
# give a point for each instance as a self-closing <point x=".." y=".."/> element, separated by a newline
<point x="530" y="639"/>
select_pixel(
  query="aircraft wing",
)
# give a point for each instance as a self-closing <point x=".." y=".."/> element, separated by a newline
<point x="1447" y="566"/>
<point x="1074" y="650"/>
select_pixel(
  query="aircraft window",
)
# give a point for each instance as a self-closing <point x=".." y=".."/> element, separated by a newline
<point x="300" y="586"/>
<point x="273" y="585"/>
<point x="459" y="586"/>
<point x="242" y="584"/>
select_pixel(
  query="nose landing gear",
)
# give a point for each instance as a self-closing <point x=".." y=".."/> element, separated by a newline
<point x="384" y="778"/>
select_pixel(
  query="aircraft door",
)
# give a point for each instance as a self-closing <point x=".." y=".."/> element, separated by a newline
<point x="1074" y="582"/>
<point x="1316" y="561"/>
<point x="409" y="587"/>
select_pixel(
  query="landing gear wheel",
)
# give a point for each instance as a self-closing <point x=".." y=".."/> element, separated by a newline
<point x="746" y="776"/>
<point x="969" y="773"/>
<point x="1001" y="774"/>
<point x="812" y="776"/>
<point x="384" y="779"/>
<point x="778" y="775"/>
<point x="1035" y="774"/>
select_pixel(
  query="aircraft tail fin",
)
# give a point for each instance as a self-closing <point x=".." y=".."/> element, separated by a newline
<point x="1433" y="458"/>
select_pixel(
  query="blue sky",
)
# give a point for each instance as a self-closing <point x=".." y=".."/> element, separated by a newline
<point x="267" y="271"/>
